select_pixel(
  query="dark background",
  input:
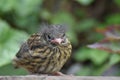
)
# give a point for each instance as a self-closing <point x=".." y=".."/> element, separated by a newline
<point x="20" y="18"/>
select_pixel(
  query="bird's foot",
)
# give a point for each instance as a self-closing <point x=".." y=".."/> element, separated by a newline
<point x="58" y="74"/>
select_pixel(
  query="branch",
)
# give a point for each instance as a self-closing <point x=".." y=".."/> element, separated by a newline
<point x="34" y="77"/>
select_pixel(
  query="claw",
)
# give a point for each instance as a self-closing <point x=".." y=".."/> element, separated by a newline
<point x="58" y="74"/>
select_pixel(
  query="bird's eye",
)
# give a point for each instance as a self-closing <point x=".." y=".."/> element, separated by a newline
<point x="48" y="36"/>
<point x="63" y="35"/>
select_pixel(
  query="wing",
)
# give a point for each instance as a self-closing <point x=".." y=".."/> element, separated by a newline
<point x="35" y="41"/>
<point x="30" y="50"/>
<point x="21" y="54"/>
<point x="32" y="43"/>
<point x="30" y="47"/>
<point x="24" y="51"/>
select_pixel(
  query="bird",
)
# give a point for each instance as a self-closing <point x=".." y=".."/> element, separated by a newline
<point x="45" y="52"/>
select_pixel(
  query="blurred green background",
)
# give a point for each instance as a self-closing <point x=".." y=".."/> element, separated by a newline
<point x="20" y="18"/>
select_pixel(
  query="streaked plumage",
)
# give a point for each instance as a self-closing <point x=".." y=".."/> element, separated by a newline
<point x="44" y="52"/>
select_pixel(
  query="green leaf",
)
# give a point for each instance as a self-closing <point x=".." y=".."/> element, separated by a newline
<point x="67" y="19"/>
<point x="63" y="18"/>
<point x="92" y="70"/>
<point x="84" y="71"/>
<point x="26" y="14"/>
<point x="80" y="13"/>
<point x="85" y="2"/>
<point x="27" y="7"/>
<point x="85" y="25"/>
<point x="9" y="43"/>
<point x="98" y="71"/>
<point x="94" y="36"/>
<point x="114" y="59"/>
<point x="113" y="19"/>
<point x="7" y="5"/>
<point x="45" y="14"/>
<point x="72" y="37"/>
<point x="109" y="45"/>
<point x="96" y="56"/>
<point x="10" y="70"/>
<point x="82" y="54"/>
<point x="29" y="23"/>
<point x="117" y="2"/>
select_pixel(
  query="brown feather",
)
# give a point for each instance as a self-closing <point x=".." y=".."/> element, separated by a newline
<point x="37" y="56"/>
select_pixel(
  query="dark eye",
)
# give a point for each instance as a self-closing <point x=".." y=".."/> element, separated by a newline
<point x="63" y="35"/>
<point x="48" y="37"/>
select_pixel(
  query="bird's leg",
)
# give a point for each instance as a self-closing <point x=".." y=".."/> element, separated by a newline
<point x="58" y="74"/>
<point x="37" y="74"/>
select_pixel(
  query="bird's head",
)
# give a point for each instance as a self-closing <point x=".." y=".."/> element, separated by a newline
<point x="54" y="34"/>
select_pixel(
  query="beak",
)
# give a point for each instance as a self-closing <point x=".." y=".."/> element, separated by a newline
<point x="57" y="41"/>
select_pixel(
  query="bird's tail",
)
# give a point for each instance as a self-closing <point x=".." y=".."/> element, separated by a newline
<point x="14" y="62"/>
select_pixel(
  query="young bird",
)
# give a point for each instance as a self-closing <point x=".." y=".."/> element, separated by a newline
<point x="45" y="52"/>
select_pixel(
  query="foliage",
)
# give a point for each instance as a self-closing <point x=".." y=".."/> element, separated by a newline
<point x="10" y="70"/>
<point x="113" y="19"/>
<point x="9" y="43"/>
<point x="111" y="41"/>
<point x="88" y="24"/>
<point x="24" y="13"/>
<point x="89" y="54"/>
<point x="85" y="2"/>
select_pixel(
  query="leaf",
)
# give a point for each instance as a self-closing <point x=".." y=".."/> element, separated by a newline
<point x="27" y="23"/>
<point x="72" y="37"/>
<point x="80" y="13"/>
<point x="7" y="5"/>
<point x="92" y="70"/>
<point x="117" y="2"/>
<point x="85" y="71"/>
<point x="67" y="19"/>
<point x="26" y="14"/>
<point x="113" y="19"/>
<point x="98" y="71"/>
<point x="85" y="2"/>
<point x="63" y="18"/>
<point x="85" y="25"/>
<point x="93" y="36"/>
<point x="114" y="59"/>
<point x="110" y="32"/>
<point x="9" y="43"/>
<point x="27" y="7"/>
<point x="111" y="41"/>
<point x="107" y="45"/>
<point x="96" y="56"/>
<point x="82" y="54"/>
<point x="45" y="14"/>
<point x="10" y="70"/>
